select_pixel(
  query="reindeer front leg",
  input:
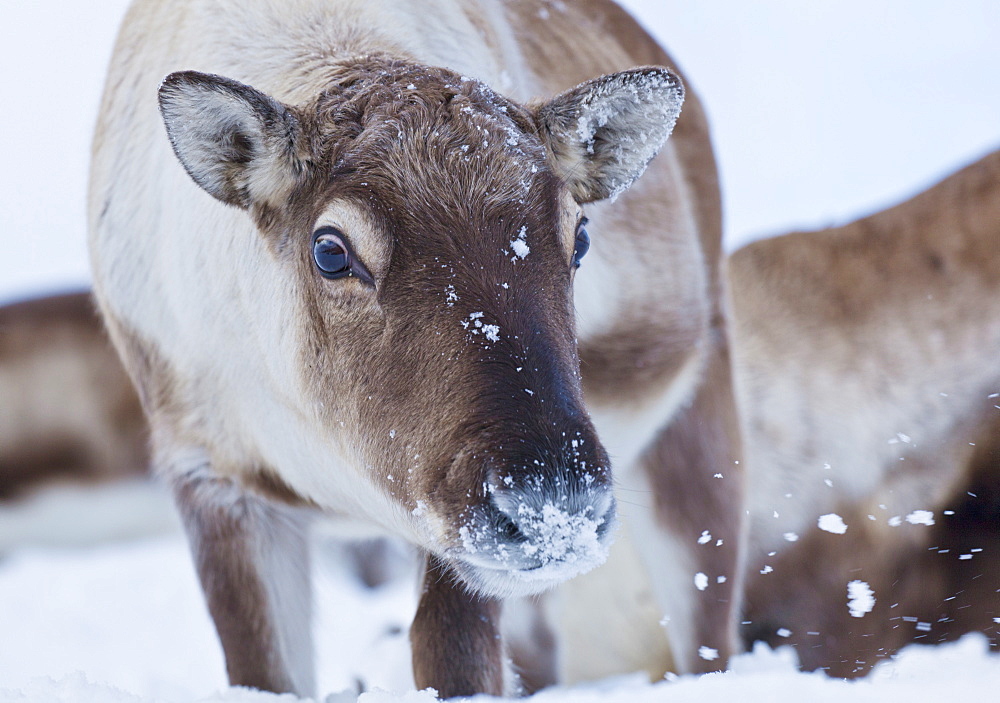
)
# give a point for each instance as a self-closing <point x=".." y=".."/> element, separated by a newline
<point x="455" y="636"/>
<point x="695" y="533"/>
<point x="253" y="562"/>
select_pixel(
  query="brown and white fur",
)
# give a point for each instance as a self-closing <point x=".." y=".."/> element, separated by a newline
<point x="73" y="438"/>
<point x="868" y="376"/>
<point x="437" y="392"/>
<point x="69" y="412"/>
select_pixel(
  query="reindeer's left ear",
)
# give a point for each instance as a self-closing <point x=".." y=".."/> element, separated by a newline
<point x="602" y="133"/>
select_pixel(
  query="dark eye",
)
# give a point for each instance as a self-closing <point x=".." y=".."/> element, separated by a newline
<point x="582" y="244"/>
<point x="330" y="253"/>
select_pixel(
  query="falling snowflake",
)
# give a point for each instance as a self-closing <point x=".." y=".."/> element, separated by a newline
<point x="860" y="598"/>
<point x="920" y="517"/>
<point x="708" y="654"/>
<point x="832" y="523"/>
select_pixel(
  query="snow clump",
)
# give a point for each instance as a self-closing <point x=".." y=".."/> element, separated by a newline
<point x="832" y="523"/>
<point x="475" y="325"/>
<point x="555" y="535"/>
<point x="559" y="542"/>
<point x="520" y="245"/>
<point x="920" y="517"/>
<point x="860" y="598"/>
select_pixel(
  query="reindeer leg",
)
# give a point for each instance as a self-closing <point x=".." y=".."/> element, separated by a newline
<point x="457" y="648"/>
<point x="694" y="539"/>
<point x="252" y="559"/>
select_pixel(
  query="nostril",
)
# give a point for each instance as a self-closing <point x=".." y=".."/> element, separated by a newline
<point x="532" y="524"/>
<point x="520" y="517"/>
<point x="506" y="527"/>
<point x="503" y="508"/>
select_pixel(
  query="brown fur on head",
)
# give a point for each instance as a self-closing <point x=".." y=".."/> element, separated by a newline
<point x="447" y="364"/>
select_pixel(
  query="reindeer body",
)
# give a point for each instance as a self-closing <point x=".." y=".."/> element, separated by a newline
<point x="434" y="390"/>
<point x="69" y="412"/>
<point x="867" y="376"/>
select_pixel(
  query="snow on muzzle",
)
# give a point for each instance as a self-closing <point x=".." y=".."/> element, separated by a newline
<point x="533" y="532"/>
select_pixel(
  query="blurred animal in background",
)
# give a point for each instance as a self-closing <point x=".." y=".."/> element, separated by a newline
<point x="69" y="411"/>
<point x="69" y="422"/>
<point x="867" y="360"/>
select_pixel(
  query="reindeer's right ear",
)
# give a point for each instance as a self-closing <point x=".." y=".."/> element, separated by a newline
<point x="235" y="142"/>
<point x="601" y="134"/>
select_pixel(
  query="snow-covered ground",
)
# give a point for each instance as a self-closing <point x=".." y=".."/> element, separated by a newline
<point x="125" y="623"/>
<point x="821" y="111"/>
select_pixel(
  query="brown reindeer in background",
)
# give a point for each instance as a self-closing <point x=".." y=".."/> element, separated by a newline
<point x="868" y="373"/>
<point x="69" y="412"/>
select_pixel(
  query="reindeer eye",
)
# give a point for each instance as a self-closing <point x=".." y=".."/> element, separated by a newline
<point x="582" y="244"/>
<point x="334" y="257"/>
<point x="330" y="253"/>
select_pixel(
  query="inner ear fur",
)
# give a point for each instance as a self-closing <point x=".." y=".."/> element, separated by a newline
<point x="602" y="133"/>
<point x="237" y="143"/>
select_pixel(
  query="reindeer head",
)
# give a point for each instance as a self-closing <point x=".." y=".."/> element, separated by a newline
<point x="429" y="230"/>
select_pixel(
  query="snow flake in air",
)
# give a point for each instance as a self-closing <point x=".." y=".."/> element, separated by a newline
<point x="920" y="517"/>
<point x="708" y="653"/>
<point x="860" y="598"/>
<point x="832" y="523"/>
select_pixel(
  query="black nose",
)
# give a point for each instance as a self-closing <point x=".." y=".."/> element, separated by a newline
<point x="534" y="521"/>
<point x="517" y="509"/>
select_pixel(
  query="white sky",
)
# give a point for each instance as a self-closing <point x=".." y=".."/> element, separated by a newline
<point x="821" y="110"/>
